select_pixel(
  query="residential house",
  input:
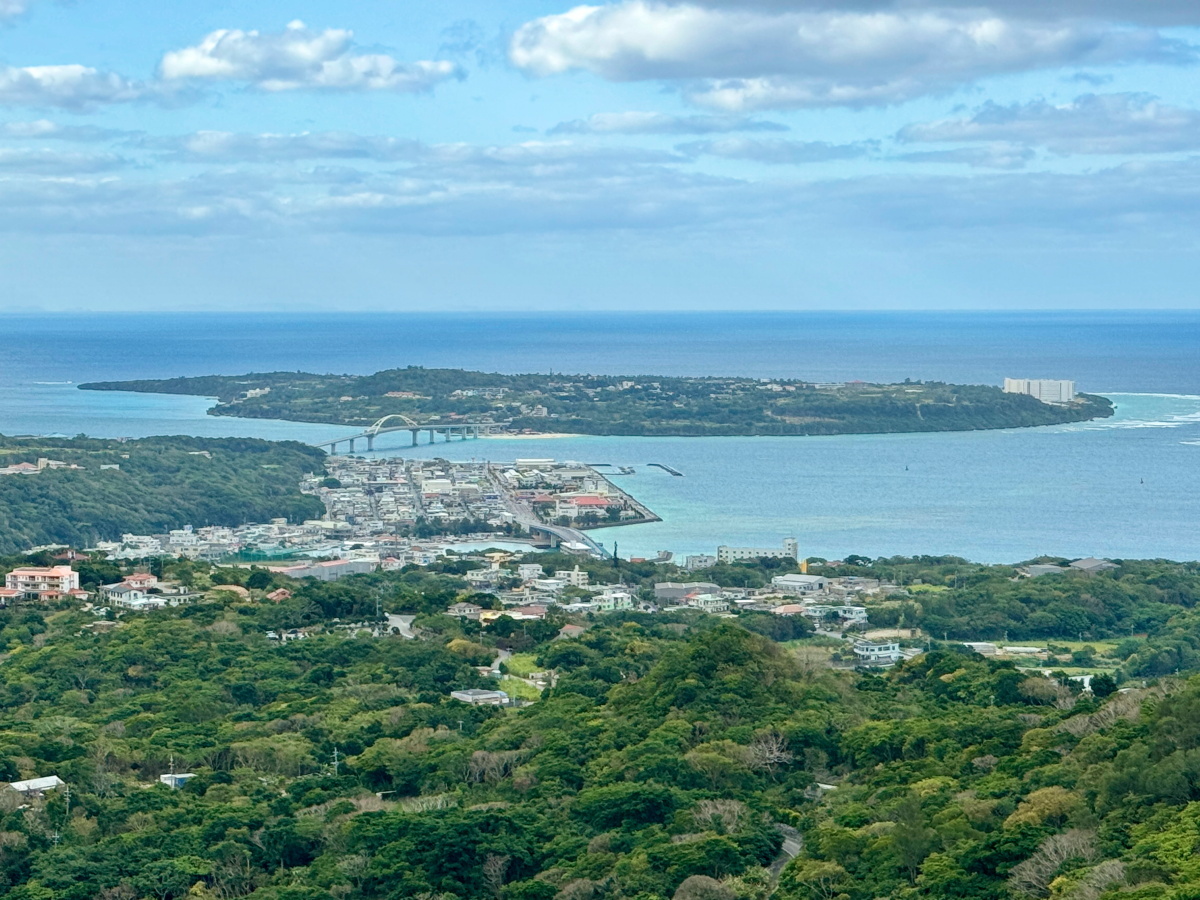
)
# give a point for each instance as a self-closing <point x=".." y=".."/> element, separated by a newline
<point x="869" y="653"/>
<point x="49" y="583"/>
<point x="675" y="591"/>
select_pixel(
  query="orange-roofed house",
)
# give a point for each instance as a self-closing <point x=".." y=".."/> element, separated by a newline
<point x="38" y="583"/>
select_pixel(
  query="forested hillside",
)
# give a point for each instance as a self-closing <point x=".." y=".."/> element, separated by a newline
<point x="621" y="405"/>
<point x="148" y="486"/>
<point x="674" y="757"/>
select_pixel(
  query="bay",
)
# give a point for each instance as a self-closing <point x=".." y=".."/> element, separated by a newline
<point x="1126" y="487"/>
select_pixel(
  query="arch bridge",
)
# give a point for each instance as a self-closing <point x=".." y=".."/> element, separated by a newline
<point x="395" y="423"/>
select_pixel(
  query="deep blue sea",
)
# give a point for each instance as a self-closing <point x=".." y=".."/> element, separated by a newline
<point x="1126" y="487"/>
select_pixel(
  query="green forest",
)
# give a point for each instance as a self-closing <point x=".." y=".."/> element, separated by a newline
<point x="148" y="486"/>
<point x="671" y="757"/>
<point x="621" y="405"/>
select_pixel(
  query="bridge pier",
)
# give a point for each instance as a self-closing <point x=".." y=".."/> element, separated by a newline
<point x="370" y="442"/>
<point x="351" y="446"/>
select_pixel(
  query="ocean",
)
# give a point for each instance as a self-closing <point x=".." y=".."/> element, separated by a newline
<point x="1125" y="487"/>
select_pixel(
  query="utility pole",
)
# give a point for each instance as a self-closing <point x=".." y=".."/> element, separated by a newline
<point x="336" y="761"/>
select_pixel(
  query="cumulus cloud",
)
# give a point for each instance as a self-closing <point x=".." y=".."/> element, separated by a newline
<point x="73" y="87"/>
<point x="989" y="156"/>
<point x="661" y="123"/>
<point x="1091" y="124"/>
<point x="299" y="58"/>
<point x="1152" y="12"/>
<point x="776" y="152"/>
<point x="743" y="59"/>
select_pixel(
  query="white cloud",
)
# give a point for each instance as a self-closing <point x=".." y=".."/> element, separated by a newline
<point x="1152" y="12"/>
<point x="299" y="58"/>
<point x="742" y="59"/>
<point x="776" y="152"/>
<point x="72" y="87"/>
<point x="226" y="146"/>
<point x="52" y="163"/>
<point x="10" y="9"/>
<point x="44" y="129"/>
<point x="989" y="156"/>
<point x="636" y="122"/>
<point x="1091" y="124"/>
<point x="544" y="159"/>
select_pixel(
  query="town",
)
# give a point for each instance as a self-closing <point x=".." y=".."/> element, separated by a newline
<point x="393" y="512"/>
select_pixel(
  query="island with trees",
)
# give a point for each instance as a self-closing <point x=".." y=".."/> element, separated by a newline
<point x="621" y="405"/>
<point x="77" y="491"/>
<point x="185" y="753"/>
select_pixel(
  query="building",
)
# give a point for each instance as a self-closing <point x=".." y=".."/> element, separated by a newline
<point x="480" y="697"/>
<point x="175" y="780"/>
<point x="50" y="583"/>
<point x="869" y="653"/>
<point x="35" y="787"/>
<point x="1092" y="566"/>
<point x="699" y="561"/>
<point x="530" y="571"/>
<point x="1038" y="570"/>
<point x="1048" y="391"/>
<point x="675" y="591"/>
<point x="709" y="603"/>
<point x="790" y="550"/>
<point x="465" y="610"/>
<point x="573" y="577"/>
<point x="123" y="595"/>
<point x="331" y="570"/>
<point x="799" y="584"/>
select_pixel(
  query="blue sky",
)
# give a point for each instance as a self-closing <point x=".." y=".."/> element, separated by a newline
<point x="707" y="154"/>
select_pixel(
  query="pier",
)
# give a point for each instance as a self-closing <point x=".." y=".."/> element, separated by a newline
<point x="667" y="469"/>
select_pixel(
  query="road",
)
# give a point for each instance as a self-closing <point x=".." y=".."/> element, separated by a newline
<point x="793" y="843"/>
<point x="402" y="624"/>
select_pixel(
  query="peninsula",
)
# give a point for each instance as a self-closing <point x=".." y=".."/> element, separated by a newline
<point x="621" y="405"/>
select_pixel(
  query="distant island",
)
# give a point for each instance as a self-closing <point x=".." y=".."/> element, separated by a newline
<point x="621" y="405"/>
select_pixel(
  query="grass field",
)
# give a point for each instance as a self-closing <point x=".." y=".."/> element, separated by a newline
<point x="522" y="664"/>
<point x="515" y="687"/>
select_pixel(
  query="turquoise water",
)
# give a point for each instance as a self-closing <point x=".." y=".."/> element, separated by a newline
<point x="1129" y="486"/>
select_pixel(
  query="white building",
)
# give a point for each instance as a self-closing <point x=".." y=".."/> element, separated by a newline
<point x="699" y="561"/>
<point x="709" y="603"/>
<point x="799" y="584"/>
<point x="529" y="571"/>
<point x="35" y="787"/>
<point x="872" y="654"/>
<point x="790" y="550"/>
<point x="480" y="697"/>
<point x="1046" y="390"/>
